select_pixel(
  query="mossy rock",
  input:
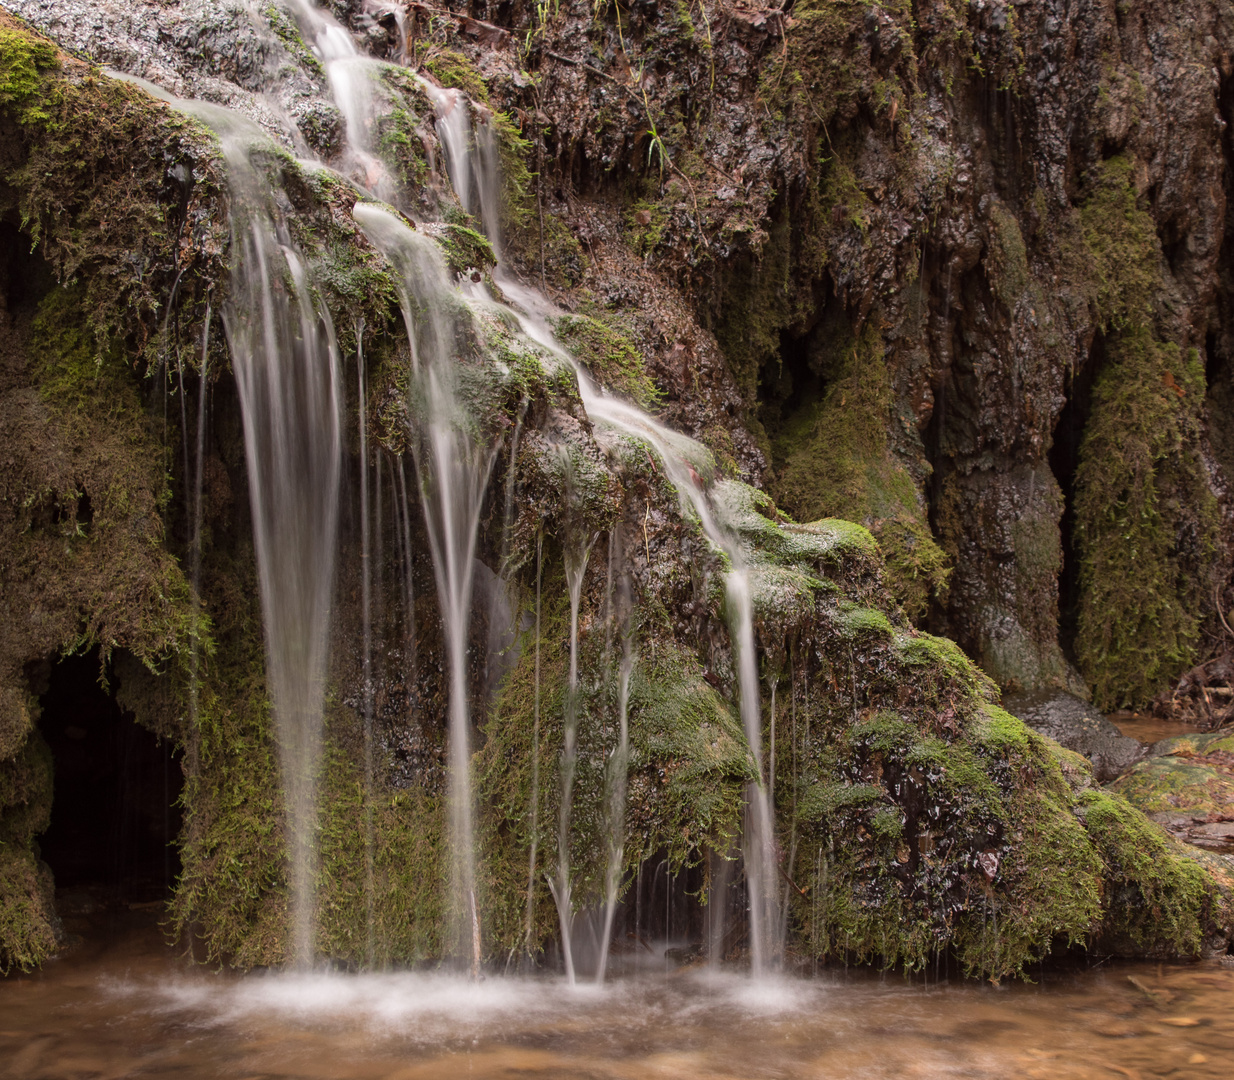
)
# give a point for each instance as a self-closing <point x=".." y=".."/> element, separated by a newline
<point x="1147" y="522"/>
<point x="1188" y="785"/>
<point x="832" y="458"/>
<point x="613" y="360"/>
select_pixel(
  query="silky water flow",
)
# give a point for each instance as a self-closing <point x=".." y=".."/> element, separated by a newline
<point x="288" y="367"/>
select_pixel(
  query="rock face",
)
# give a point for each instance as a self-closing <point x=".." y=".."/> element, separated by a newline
<point x="1076" y="725"/>
<point x="967" y="272"/>
<point x="938" y="283"/>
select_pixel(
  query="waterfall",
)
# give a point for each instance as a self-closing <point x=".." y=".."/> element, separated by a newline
<point x="619" y="764"/>
<point x="577" y="555"/>
<point x="452" y="465"/>
<point x="288" y="373"/>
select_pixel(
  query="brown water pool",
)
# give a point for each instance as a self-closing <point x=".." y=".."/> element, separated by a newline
<point x="127" y="1006"/>
<point x="1149" y="729"/>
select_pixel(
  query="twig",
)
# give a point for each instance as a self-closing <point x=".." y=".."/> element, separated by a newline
<point x="1220" y="613"/>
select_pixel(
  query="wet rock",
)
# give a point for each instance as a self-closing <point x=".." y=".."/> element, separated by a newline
<point x="1078" y="726"/>
<point x="1187" y="787"/>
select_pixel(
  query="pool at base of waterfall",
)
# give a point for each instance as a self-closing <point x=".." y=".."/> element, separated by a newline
<point x="121" y="1003"/>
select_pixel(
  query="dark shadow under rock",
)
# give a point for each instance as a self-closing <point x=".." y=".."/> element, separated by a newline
<point x="1080" y="727"/>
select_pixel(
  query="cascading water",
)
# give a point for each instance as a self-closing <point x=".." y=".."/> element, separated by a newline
<point x="677" y="452"/>
<point x="288" y="372"/>
<point x="577" y="555"/>
<point x="618" y="768"/>
<point x="453" y="465"/>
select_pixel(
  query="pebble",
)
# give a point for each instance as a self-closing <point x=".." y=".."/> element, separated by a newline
<point x="1180" y="1021"/>
<point x="1196" y="1059"/>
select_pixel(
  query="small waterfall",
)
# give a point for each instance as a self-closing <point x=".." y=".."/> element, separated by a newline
<point x="576" y="557"/>
<point x="676" y="451"/>
<point x="353" y="86"/>
<point x="618" y="768"/>
<point x="535" y="753"/>
<point x="366" y="618"/>
<point x="452" y="466"/>
<point x="198" y="484"/>
<point x="288" y="373"/>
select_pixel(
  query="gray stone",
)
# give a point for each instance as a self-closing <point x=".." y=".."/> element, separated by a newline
<point x="1079" y="727"/>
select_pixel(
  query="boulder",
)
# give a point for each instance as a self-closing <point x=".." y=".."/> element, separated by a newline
<point x="1078" y="726"/>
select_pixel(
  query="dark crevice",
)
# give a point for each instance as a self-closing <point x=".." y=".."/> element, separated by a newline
<point x="115" y="814"/>
<point x="1064" y="458"/>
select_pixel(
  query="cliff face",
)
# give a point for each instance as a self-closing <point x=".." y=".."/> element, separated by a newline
<point x="956" y="274"/>
<point x="954" y="271"/>
<point x="965" y="265"/>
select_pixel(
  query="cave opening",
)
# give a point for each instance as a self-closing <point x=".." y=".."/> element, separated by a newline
<point x="115" y="806"/>
<point x="1064" y="458"/>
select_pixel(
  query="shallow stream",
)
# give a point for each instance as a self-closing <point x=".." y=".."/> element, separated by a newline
<point x="122" y="1004"/>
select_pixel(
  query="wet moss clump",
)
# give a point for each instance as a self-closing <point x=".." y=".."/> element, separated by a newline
<point x="1146" y="521"/>
<point x="1159" y="901"/>
<point x="686" y="774"/>
<point x="833" y="459"/>
<point x="29" y="928"/>
<point x="614" y="361"/>
<point x="1146" y="518"/>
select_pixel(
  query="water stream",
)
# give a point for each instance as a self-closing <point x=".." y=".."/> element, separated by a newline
<point x="288" y="369"/>
<point x="288" y="372"/>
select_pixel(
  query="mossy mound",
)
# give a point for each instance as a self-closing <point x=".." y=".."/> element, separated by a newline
<point x="1194" y="781"/>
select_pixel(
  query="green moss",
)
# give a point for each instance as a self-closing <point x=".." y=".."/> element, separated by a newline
<point x="943" y="661"/>
<point x="399" y="145"/>
<point x="855" y="622"/>
<point x="408" y="898"/>
<point x="1177" y="784"/>
<point x="1158" y="900"/>
<point x="612" y="358"/>
<point x="1146" y="521"/>
<point x="87" y="175"/>
<point x="28" y="927"/>
<point x="645" y="221"/>
<point x="832" y="459"/>
<point x="455" y="72"/>
<point x="1121" y="242"/>
<point x="1007" y="262"/>
<point x="23" y="59"/>
<point x="28" y="933"/>
<point x="687" y="770"/>
<point x="465" y="249"/>
<point x="289" y="34"/>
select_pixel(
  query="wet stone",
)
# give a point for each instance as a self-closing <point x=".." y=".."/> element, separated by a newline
<point x="1080" y="727"/>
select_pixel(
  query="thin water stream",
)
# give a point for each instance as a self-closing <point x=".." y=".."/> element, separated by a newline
<point x="123" y="1005"/>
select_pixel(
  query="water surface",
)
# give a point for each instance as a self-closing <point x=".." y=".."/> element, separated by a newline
<point x="124" y="1005"/>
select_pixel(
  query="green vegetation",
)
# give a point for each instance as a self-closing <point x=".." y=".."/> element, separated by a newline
<point x="832" y="459"/>
<point x="289" y="34"/>
<point x="612" y="358"/>
<point x="1158" y="899"/>
<point x="1146" y="521"/>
